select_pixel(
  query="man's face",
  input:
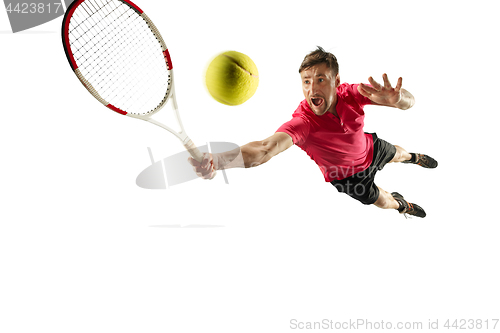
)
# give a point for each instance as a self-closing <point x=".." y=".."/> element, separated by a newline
<point x="319" y="86"/>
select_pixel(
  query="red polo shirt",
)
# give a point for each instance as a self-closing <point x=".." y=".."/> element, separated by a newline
<point x="338" y="145"/>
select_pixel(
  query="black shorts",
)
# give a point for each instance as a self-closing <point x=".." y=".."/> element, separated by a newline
<point x="361" y="186"/>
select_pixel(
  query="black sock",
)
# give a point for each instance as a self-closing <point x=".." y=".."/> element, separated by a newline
<point x="413" y="158"/>
<point x="401" y="206"/>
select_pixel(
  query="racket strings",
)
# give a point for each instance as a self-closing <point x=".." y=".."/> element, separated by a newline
<point x="103" y="65"/>
<point x="83" y="29"/>
<point x="118" y="54"/>
<point x="104" y="41"/>
<point x="110" y="69"/>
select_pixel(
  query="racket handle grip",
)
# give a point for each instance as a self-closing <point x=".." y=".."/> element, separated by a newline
<point x="194" y="151"/>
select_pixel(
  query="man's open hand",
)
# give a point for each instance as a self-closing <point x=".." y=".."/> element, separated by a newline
<point x="382" y="94"/>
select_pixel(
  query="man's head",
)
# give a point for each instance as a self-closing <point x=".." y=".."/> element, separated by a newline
<point x="320" y="78"/>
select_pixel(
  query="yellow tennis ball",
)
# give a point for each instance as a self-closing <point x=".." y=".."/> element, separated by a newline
<point x="232" y="78"/>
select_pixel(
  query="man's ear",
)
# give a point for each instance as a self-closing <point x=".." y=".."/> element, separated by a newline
<point x="337" y="80"/>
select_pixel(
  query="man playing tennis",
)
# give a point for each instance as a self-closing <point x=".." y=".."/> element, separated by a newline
<point x="328" y="126"/>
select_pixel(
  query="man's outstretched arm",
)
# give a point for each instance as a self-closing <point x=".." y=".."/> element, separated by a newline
<point x="387" y="95"/>
<point x="250" y="155"/>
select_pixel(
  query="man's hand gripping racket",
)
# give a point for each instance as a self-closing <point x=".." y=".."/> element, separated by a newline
<point x="120" y="57"/>
<point x="205" y="169"/>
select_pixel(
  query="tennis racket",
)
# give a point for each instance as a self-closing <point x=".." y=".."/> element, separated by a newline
<point x="118" y="54"/>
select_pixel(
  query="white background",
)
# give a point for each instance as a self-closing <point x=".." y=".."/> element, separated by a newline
<point x="83" y="249"/>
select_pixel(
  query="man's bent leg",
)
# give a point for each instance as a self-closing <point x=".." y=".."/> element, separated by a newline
<point x="420" y="159"/>
<point x="395" y="200"/>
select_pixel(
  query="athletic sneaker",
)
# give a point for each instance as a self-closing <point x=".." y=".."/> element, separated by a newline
<point x="422" y="160"/>
<point x="408" y="208"/>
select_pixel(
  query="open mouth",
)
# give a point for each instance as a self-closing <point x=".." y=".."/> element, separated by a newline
<point x="317" y="101"/>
